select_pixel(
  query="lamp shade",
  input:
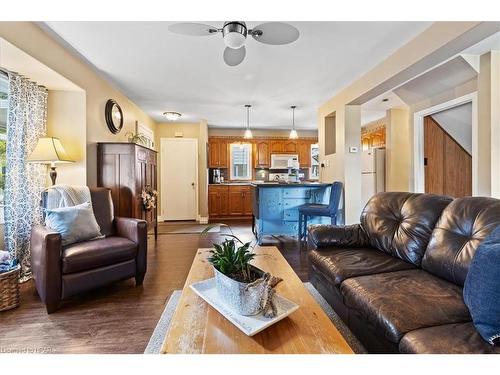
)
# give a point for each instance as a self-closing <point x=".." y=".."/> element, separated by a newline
<point x="49" y="150"/>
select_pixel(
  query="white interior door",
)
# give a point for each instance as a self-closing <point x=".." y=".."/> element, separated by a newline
<point x="179" y="178"/>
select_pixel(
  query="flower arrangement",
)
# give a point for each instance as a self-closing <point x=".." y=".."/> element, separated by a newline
<point x="149" y="197"/>
<point x="137" y="138"/>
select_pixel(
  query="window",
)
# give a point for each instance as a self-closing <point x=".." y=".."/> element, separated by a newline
<point x="241" y="162"/>
<point x="314" y="172"/>
<point x="3" y="135"/>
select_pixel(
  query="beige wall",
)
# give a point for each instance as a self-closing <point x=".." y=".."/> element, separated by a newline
<point x="198" y="131"/>
<point x="398" y="150"/>
<point x="31" y="39"/>
<point x="437" y="43"/>
<point x="66" y="121"/>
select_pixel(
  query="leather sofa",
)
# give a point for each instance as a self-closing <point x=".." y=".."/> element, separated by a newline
<point x="61" y="272"/>
<point x="396" y="278"/>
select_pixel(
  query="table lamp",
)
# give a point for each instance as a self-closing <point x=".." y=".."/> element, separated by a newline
<point x="49" y="150"/>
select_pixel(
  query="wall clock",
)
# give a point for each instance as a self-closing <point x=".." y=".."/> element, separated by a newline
<point x="114" y="116"/>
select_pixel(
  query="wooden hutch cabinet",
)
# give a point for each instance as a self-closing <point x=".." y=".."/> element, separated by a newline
<point x="127" y="169"/>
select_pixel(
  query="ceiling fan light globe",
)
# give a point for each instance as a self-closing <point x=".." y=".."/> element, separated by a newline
<point x="234" y="40"/>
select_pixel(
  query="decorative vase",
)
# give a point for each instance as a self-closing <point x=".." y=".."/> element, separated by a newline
<point x="246" y="301"/>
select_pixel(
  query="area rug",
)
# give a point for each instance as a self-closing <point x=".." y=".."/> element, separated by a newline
<point x="185" y="229"/>
<point x="156" y="340"/>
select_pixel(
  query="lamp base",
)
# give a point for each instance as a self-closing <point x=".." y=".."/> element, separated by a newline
<point x="53" y="175"/>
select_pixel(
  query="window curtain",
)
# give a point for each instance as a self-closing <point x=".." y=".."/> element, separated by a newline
<point x="24" y="182"/>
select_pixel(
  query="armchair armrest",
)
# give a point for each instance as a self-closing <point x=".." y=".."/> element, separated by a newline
<point x="137" y="231"/>
<point x="324" y="236"/>
<point x="46" y="264"/>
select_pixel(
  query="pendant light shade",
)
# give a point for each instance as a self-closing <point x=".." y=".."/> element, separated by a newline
<point x="293" y="132"/>
<point x="248" y="133"/>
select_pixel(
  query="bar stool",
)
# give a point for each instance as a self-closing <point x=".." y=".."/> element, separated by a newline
<point x="313" y="209"/>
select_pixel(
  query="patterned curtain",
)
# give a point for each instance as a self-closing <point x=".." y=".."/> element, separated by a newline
<point x="24" y="182"/>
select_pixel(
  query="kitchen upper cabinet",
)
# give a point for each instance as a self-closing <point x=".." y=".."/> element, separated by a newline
<point x="290" y="146"/>
<point x="304" y="151"/>
<point x="277" y="145"/>
<point x="217" y="153"/>
<point x="262" y="156"/>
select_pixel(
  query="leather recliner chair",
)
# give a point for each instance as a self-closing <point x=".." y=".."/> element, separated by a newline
<point x="61" y="272"/>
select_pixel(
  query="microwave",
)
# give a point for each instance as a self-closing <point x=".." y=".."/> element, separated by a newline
<point x="282" y="161"/>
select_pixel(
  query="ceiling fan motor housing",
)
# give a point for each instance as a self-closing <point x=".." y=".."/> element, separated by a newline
<point x="234" y="34"/>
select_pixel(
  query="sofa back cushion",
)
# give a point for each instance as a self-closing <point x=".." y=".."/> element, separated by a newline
<point x="463" y="225"/>
<point x="401" y="224"/>
<point x="102" y="203"/>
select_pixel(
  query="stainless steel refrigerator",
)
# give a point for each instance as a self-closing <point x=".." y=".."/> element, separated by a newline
<point x="372" y="173"/>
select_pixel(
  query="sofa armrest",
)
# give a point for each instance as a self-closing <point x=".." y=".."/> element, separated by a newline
<point x="46" y="251"/>
<point x="137" y="231"/>
<point x="325" y="236"/>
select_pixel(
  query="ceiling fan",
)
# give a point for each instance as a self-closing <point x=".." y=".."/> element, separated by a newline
<point x="235" y="34"/>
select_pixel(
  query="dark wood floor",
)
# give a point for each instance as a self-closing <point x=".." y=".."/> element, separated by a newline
<point x="119" y="318"/>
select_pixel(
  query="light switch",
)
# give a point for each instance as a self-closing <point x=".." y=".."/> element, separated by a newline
<point x="353" y="149"/>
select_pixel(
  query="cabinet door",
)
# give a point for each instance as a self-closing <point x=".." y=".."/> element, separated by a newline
<point x="290" y="146"/>
<point x="262" y="156"/>
<point x="247" y="203"/>
<point x="235" y="201"/>
<point x="277" y="146"/>
<point x="223" y="202"/>
<point x="213" y="203"/>
<point x="214" y="153"/>
<point x="223" y="159"/>
<point x="304" y="151"/>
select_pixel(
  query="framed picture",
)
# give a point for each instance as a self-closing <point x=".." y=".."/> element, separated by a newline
<point x="148" y="134"/>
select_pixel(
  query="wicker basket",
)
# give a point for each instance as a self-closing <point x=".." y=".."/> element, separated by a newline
<point x="9" y="289"/>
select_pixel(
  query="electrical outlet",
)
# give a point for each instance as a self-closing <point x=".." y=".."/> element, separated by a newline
<point x="353" y="149"/>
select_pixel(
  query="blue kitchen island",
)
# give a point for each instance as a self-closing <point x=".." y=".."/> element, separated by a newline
<point x="275" y="206"/>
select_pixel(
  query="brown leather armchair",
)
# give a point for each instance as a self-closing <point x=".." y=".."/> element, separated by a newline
<point x="61" y="272"/>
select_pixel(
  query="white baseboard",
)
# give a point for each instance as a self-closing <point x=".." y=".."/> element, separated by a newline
<point x="202" y="219"/>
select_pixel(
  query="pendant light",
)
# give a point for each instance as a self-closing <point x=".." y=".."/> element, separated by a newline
<point x="248" y="132"/>
<point x="293" y="132"/>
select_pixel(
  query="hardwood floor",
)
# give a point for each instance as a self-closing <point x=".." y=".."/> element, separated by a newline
<point x="119" y="318"/>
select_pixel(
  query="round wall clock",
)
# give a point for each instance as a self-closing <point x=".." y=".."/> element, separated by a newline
<point x="114" y="116"/>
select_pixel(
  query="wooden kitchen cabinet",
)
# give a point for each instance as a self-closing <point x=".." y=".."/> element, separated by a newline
<point x="229" y="200"/>
<point x="276" y="146"/>
<point x="262" y="156"/>
<point x="290" y="146"/>
<point x="218" y="200"/>
<point x="304" y="151"/>
<point x="217" y="153"/>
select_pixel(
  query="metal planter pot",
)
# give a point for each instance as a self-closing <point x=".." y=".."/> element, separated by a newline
<point x="235" y="293"/>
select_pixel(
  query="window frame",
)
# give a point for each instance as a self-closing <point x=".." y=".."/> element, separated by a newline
<point x="249" y="175"/>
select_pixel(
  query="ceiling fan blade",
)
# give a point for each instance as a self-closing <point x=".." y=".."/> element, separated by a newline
<point x="275" y="33"/>
<point x="233" y="57"/>
<point x="193" y="29"/>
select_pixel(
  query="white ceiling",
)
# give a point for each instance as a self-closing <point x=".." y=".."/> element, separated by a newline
<point x="162" y="71"/>
<point x="457" y="122"/>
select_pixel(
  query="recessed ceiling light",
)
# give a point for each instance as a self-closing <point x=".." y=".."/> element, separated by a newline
<point x="172" y="116"/>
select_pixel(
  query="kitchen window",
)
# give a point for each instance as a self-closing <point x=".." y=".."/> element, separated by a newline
<point x="241" y="161"/>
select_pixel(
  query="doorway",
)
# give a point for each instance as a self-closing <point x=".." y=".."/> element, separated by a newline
<point x="179" y="178"/>
<point x="447" y="153"/>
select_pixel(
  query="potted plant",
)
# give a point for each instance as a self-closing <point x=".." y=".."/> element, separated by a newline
<point x="149" y="197"/>
<point x="137" y="138"/>
<point x="234" y="275"/>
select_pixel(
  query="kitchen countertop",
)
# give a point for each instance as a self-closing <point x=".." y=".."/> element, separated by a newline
<point x="286" y="184"/>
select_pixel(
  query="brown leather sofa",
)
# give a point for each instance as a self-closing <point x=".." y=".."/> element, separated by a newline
<point x="396" y="278"/>
<point x="61" y="272"/>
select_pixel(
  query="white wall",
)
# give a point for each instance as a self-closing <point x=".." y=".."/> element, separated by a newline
<point x="457" y="122"/>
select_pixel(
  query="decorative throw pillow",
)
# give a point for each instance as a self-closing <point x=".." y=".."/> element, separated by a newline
<point x="75" y="223"/>
<point x="482" y="288"/>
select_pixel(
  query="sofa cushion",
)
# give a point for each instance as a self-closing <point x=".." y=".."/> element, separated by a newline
<point x="401" y="224"/>
<point x="464" y="224"/>
<point x="98" y="253"/>
<point x="458" y="338"/>
<point x="342" y="263"/>
<point x="396" y="303"/>
<point x="482" y="288"/>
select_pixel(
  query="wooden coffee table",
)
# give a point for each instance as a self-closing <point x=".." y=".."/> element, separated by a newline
<point x="198" y="328"/>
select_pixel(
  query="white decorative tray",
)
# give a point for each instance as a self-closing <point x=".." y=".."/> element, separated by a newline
<point x="250" y="325"/>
